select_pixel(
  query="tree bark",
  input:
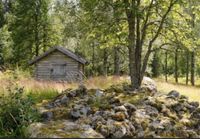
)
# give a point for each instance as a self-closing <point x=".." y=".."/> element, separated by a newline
<point x="166" y="65"/>
<point x="44" y="38"/>
<point x="116" y="61"/>
<point x="93" y="58"/>
<point x="131" y="18"/>
<point x="36" y="30"/>
<point x="187" y="66"/>
<point x="192" y="68"/>
<point x="176" y="65"/>
<point x="136" y="38"/>
<point x="105" y="62"/>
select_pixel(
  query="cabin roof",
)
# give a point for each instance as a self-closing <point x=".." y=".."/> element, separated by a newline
<point x="63" y="50"/>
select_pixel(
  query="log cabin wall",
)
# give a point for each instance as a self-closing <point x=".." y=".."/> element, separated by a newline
<point x="57" y="66"/>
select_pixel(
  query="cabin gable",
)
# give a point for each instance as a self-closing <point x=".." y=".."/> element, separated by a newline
<point x="58" y="66"/>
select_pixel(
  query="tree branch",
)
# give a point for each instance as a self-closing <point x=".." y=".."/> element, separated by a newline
<point x="145" y="26"/>
<point x="172" y="2"/>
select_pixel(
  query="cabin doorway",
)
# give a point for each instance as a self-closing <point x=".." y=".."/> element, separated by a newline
<point x="58" y="71"/>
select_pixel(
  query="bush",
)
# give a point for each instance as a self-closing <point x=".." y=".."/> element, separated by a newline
<point x="16" y="113"/>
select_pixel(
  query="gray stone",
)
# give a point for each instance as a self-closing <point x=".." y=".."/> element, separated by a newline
<point x="196" y="114"/>
<point x="50" y="105"/>
<point x="173" y="94"/>
<point x="61" y="129"/>
<point x="178" y="107"/>
<point x="120" y="132"/>
<point x="115" y="101"/>
<point x="47" y="116"/>
<point x="149" y="84"/>
<point x="119" y="116"/>
<point x="57" y="102"/>
<point x="190" y="107"/>
<point x="140" y="134"/>
<point x="130" y="107"/>
<point x="120" y="108"/>
<point x="72" y="94"/>
<point x="195" y="104"/>
<point x="183" y="97"/>
<point x="151" y="111"/>
<point x="79" y="111"/>
<point x="156" y="125"/>
<point x="104" y="130"/>
<point x="99" y="93"/>
<point x="192" y="134"/>
<point x="64" y="100"/>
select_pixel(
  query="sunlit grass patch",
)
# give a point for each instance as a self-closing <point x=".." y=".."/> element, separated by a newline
<point x="192" y="92"/>
<point x="104" y="82"/>
<point x="38" y="95"/>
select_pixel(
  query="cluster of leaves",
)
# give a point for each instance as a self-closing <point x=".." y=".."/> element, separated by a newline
<point x="16" y="113"/>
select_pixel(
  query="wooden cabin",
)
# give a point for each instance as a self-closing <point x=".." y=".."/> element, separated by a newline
<point x="59" y="63"/>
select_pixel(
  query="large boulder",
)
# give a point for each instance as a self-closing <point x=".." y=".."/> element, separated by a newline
<point x="149" y="83"/>
<point x="61" y="129"/>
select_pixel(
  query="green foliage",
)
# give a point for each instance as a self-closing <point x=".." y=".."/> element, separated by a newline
<point x="16" y="113"/>
<point x="31" y="29"/>
<point x="93" y="28"/>
<point x="2" y="20"/>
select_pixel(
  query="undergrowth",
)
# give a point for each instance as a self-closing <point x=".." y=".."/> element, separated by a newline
<point x="17" y="111"/>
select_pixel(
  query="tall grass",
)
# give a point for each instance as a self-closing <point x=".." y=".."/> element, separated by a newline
<point x="49" y="89"/>
<point x="104" y="82"/>
<point x="38" y="95"/>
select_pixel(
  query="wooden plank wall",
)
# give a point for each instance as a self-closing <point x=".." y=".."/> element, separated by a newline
<point x="44" y="66"/>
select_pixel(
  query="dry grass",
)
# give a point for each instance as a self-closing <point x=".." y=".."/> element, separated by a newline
<point x="34" y="86"/>
<point x="192" y="92"/>
<point x="104" y="82"/>
<point x="31" y="85"/>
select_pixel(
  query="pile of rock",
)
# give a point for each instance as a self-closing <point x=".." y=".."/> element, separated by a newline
<point x="156" y="115"/>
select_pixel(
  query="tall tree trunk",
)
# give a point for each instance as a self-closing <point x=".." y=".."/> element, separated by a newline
<point x="138" y="48"/>
<point x="44" y="38"/>
<point x="93" y="58"/>
<point x="166" y="65"/>
<point x="176" y="65"/>
<point x="36" y="30"/>
<point x="136" y="38"/>
<point x="105" y="62"/>
<point x="116" y="61"/>
<point x="192" y="67"/>
<point x="131" y="15"/>
<point x="187" y="66"/>
<point x="192" y="53"/>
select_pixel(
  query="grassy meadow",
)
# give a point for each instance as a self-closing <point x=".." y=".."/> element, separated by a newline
<point x="40" y="90"/>
<point x="193" y="92"/>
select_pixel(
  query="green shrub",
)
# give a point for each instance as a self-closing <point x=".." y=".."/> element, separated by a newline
<point x="16" y="113"/>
